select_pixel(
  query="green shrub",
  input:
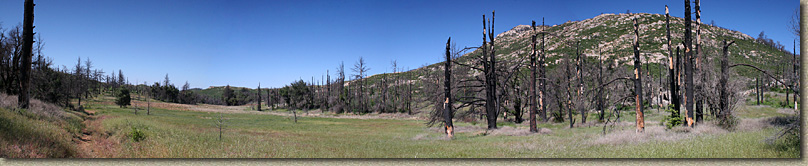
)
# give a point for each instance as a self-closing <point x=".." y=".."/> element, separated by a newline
<point x="137" y="134"/>
<point x="122" y="98"/>
<point x="674" y="119"/>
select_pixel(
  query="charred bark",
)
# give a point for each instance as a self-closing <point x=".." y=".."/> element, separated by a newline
<point x="688" y="67"/>
<point x="638" y="80"/>
<point x="543" y="81"/>
<point x="533" y="81"/>
<point x="259" y="96"/>
<point x="700" y="97"/>
<point x="447" y="92"/>
<point x="27" y="46"/>
<point x="724" y="100"/>
<point x="674" y="94"/>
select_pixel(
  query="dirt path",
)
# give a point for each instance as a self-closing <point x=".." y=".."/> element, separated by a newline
<point x="93" y="141"/>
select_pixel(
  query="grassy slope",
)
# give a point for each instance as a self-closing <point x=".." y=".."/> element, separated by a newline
<point x="172" y="133"/>
<point x="42" y="131"/>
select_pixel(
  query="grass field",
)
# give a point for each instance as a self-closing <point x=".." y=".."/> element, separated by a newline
<point x="183" y="131"/>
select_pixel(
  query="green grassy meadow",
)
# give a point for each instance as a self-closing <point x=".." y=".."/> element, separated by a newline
<point x="173" y="133"/>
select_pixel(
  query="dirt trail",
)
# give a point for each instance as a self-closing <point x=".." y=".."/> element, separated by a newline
<point x="93" y="141"/>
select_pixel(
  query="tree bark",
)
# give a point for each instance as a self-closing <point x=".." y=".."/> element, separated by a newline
<point x="532" y="99"/>
<point x="688" y="67"/>
<point x="447" y="92"/>
<point x="580" y="69"/>
<point x="674" y="94"/>
<point x="638" y="80"/>
<point x="795" y="77"/>
<point x="698" y="68"/>
<point x="724" y="100"/>
<point x="28" y="42"/>
<point x="491" y="105"/>
<point x="542" y="82"/>
<point x="259" y="96"/>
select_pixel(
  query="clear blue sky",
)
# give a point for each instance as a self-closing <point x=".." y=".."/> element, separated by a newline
<point x="241" y="43"/>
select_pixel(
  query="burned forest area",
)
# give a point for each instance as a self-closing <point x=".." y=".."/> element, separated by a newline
<point x="618" y="85"/>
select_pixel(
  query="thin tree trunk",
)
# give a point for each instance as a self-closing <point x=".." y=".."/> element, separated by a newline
<point x="259" y="96"/>
<point x="542" y="82"/>
<point x="795" y="76"/>
<point x="27" y="44"/>
<point x="638" y="80"/>
<point x="699" y="68"/>
<point x="674" y="94"/>
<point x="688" y="67"/>
<point x="580" y="74"/>
<point x="724" y="100"/>
<point x="533" y="81"/>
<point x="447" y="92"/>
<point x="491" y="104"/>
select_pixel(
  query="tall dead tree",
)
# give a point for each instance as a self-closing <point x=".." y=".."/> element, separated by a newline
<point x="27" y="51"/>
<point x="447" y="92"/>
<point x="486" y="59"/>
<point x="492" y="103"/>
<point x="580" y="64"/>
<point x="638" y="80"/>
<point x="532" y="99"/>
<point x="361" y="69"/>
<point x="724" y="95"/>
<point x="688" y="67"/>
<point x="259" y="96"/>
<point x="795" y="74"/>
<point x="543" y="80"/>
<point x="674" y="94"/>
<point x="700" y="97"/>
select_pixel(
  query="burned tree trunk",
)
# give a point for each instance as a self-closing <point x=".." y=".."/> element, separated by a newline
<point x="698" y="69"/>
<point x="674" y="94"/>
<point x="569" y="93"/>
<point x="724" y="100"/>
<point x="447" y="92"/>
<point x="688" y="67"/>
<point x="259" y="96"/>
<point x="28" y="43"/>
<point x="758" y="89"/>
<point x="542" y="82"/>
<point x="580" y="74"/>
<point x="638" y="80"/>
<point x="795" y="77"/>
<point x="600" y="102"/>
<point x="533" y="81"/>
<point x="491" y="105"/>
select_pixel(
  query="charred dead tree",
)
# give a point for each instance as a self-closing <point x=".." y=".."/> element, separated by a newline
<point x="533" y="66"/>
<point x="259" y="96"/>
<point x="638" y="80"/>
<point x="569" y="90"/>
<point x="361" y="69"/>
<point x="724" y="94"/>
<point x="795" y="80"/>
<point x="688" y="64"/>
<point x="447" y="92"/>
<point x="599" y="100"/>
<point x="27" y="51"/>
<point x="487" y="60"/>
<point x="327" y="90"/>
<point x="580" y="64"/>
<point x="491" y="102"/>
<point x="543" y="78"/>
<point x="698" y="68"/>
<point x="674" y="89"/>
